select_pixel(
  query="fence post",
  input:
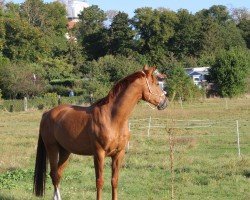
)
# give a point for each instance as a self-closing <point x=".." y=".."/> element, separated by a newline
<point x="238" y="137"/>
<point x="180" y="100"/>
<point x="59" y="100"/>
<point x="171" y="157"/>
<point x="11" y="108"/>
<point x="226" y="104"/>
<point x="149" y="125"/>
<point x="25" y="104"/>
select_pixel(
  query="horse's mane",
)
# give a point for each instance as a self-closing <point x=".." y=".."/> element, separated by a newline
<point x="118" y="87"/>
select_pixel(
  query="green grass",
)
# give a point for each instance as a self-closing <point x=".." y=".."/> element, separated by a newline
<point x="206" y="162"/>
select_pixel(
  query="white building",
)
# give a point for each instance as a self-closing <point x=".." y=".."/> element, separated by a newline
<point x="198" y="75"/>
<point x="74" y="7"/>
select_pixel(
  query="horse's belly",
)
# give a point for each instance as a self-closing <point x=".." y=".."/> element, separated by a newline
<point x="75" y="143"/>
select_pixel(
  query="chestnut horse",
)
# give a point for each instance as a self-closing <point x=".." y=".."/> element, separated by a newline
<point x="99" y="130"/>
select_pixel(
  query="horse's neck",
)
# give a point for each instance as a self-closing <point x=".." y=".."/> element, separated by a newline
<point x="122" y="105"/>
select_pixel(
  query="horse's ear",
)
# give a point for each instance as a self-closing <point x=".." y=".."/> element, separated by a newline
<point x="145" y="68"/>
<point x="152" y="70"/>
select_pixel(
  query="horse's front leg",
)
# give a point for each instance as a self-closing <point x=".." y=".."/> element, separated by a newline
<point x="116" y="164"/>
<point x="99" y="165"/>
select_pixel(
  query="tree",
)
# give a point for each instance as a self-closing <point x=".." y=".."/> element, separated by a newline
<point x="54" y="29"/>
<point x="218" y="31"/>
<point x="2" y="31"/>
<point x="33" y="11"/>
<point x="185" y="41"/>
<point x="91" y="32"/>
<point x="110" y="14"/>
<point x="2" y="2"/>
<point x="22" y="41"/>
<point x="17" y="80"/>
<point x="154" y="28"/>
<point x="121" y="34"/>
<point x="74" y="55"/>
<point x="229" y="72"/>
<point x="244" y="27"/>
<point x="218" y="13"/>
<point x="57" y="69"/>
<point x="239" y="14"/>
<point x="27" y="36"/>
<point x="231" y="36"/>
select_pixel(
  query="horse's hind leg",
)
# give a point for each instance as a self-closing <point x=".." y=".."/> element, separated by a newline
<point x="58" y="158"/>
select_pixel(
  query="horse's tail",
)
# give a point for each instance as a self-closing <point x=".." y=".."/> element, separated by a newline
<point x="40" y="168"/>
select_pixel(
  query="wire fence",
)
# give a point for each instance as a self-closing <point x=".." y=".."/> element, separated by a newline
<point x="227" y="134"/>
<point x="40" y="103"/>
<point x="174" y="144"/>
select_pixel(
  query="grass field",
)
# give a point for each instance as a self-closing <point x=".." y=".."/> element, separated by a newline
<point x="206" y="164"/>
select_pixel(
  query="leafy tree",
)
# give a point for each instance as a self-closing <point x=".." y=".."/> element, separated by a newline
<point x="244" y="27"/>
<point x="185" y="41"/>
<point x="28" y="37"/>
<point x="231" y="36"/>
<point x="74" y="55"/>
<point x="49" y="17"/>
<point x="230" y="70"/>
<point x="239" y="14"/>
<point x="1" y="4"/>
<point x="110" y="14"/>
<point x="154" y="28"/>
<point x="17" y="80"/>
<point x="55" y="28"/>
<point x="22" y="41"/>
<point x="57" y="69"/>
<point x="218" y="13"/>
<point x="121" y="34"/>
<point x="2" y="31"/>
<point x="92" y="33"/>
<point x="33" y="11"/>
<point x="218" y="31"/>
<point x="209" y="36"/>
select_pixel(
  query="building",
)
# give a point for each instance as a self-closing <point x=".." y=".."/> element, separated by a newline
<point x="74" y="8"/>
<point x="160" y="78"/>
<point x="198" y="74"/>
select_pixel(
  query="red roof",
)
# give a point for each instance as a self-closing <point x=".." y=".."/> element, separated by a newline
<point x="71" y="24"/>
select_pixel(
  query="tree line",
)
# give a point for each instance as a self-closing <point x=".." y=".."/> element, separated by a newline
<point x="36" y="57"/>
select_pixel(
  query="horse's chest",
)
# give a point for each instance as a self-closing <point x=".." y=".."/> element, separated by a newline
<point x="115" y="143"/>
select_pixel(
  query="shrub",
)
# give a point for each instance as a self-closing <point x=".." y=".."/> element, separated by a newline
<point x="179" y="85"/>
<point x="230" y="72"/>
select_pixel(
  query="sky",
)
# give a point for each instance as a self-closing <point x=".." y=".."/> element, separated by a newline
<point x="193" y="6"/>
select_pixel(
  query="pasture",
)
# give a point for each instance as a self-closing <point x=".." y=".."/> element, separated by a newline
<point x="206" y="164"/>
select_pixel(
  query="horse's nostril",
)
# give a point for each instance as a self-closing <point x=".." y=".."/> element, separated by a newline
<point x="162" y="104"/>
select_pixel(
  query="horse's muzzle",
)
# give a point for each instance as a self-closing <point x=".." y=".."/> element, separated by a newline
<point x="163" y="104"/>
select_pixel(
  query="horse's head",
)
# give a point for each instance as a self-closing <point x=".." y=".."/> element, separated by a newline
<point x="152" y="92"/>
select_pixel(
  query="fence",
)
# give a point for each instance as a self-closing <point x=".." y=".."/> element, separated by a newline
<point x="232" y="132"/>
<point x="39" y="103"/>
<point x="53" y="100"/>
<point x="195" y="141"/>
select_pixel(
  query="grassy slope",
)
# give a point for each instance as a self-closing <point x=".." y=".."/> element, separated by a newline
<point x="206" y="164"/>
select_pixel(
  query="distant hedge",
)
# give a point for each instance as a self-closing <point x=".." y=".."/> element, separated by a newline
<point x="41" y="103"/>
